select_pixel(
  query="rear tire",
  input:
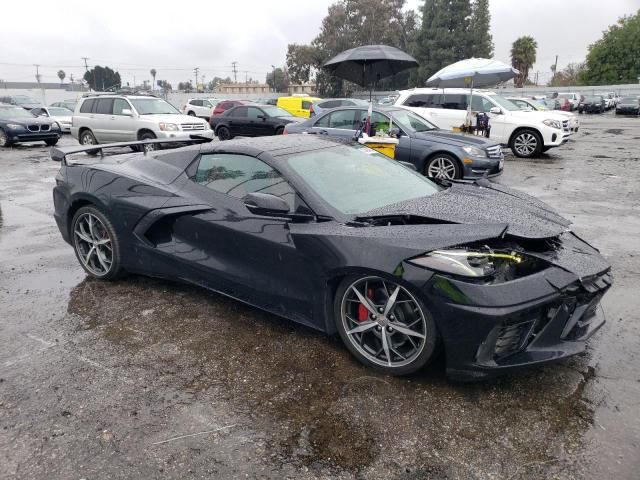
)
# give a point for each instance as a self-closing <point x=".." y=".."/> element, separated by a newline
<point x="148" y="148"/>
<point x="87" y="138"/>
<point x="279" y="130"/>
<point x="96" y="243"/>
<point x="526" y="143"/>
<point x="398" y="353"/>
<point x="192" y="114"/>
<point x="224" y="133"/>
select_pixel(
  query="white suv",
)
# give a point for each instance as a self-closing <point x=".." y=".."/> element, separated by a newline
<point x="200" y="107"/>
<point x="124" y="118"/>
<point x="527" y="133"/>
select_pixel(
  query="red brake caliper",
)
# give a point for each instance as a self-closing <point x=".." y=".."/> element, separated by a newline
<point x="363" y="313"/>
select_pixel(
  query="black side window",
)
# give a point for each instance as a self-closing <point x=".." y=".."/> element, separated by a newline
<point x="423" y="100"/>
<point x="253" y="112"/>
<point x="306" y="105"/>
<point x="343" y="119"/>
<point x="238" y="175"/>
<point x="322" y="122"/>
<point x="87" y="105"/>
<point x="455" y="101"/>
<point x="105" y="106"/>
<point x="330" y="104"/>
<point x="239" y="112"/>
<point x="197" y="103"/>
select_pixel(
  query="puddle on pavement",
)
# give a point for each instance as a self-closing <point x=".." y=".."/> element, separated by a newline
<point x="316" y="406"/>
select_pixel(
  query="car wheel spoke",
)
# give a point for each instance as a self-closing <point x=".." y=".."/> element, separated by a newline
<point x="362" y="328"/>
<point x="385" y="346"/>
<point x="82" y="236"/>
<point x="391" y="301"/>
<point x="365" y="301"/>
<point x="407" y="331"/>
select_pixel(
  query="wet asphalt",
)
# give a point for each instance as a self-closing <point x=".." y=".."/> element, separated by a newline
<point x="142" y="378"/>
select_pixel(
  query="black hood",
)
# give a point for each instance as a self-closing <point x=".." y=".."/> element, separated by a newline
<point x="455" y="138"/>
<point x="524" y="216"/>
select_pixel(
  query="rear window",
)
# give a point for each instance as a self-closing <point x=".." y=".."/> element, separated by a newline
<point x="455" y="101"/>
<point x="87" y="105"/>
<point x="306" y="105"/>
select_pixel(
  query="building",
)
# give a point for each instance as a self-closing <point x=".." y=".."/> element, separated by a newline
<point x="243" y="88"/>
<point x="308" y="88"/>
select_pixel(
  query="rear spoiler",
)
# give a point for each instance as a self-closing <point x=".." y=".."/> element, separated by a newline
<point x="60" y="154"/>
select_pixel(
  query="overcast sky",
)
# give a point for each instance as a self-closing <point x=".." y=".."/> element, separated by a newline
<point x="133" y="37"/>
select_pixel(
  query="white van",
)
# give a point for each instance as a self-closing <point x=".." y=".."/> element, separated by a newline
<point x="527" y="133"/>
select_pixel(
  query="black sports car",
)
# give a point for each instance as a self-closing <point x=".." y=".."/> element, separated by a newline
<point x="343" y="239"/>
<point x="592" y="104"/>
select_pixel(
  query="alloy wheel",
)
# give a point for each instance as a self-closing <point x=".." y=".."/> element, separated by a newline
<point x="93" y="244"/>
<point x="525" y="144"/>
<point x="383" y="321"/>
<point x="442" y="167"/>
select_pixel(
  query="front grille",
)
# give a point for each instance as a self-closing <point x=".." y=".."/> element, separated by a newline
<point x="44" y="128"/>
<point x="192" y="126"/>
<point x="494" y="152"/>
<point x="33" y="128"/>
<point x="511" y="338"/>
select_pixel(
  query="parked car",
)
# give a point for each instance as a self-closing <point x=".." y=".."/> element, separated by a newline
<point x="252" y="121"/>
<point x="540" y="105"/>
<point x="527" y="133"/>
<point x="592" y="104"/>
<point x="61" y="115"/>
<point x="70" y="104"/>
<point x="565" y="105"/>
<point x="200" y="107"/>
<point x="321" y="106"/>
<point x="572" y="98"/>
<point x="224" y="105"/>
<point x="17" y="125"/>
<point x="612" y="99"/>
<point x="628" y="106"/>
<point x="23" y="101"/>
<point x="344" y="240"/>
<point x="122" y="118"/>
<point x="298" y="106"/>
<point x="434" y="152"/>
<point x="266" y="101"/>
<point x="390" y="100"/>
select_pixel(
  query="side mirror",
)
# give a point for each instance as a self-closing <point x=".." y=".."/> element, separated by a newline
<point x="127" y="112"/>
<point x="495" y="110"/>
<point x="266" y="204"/>
<point x="394" y="132"/>
<point x="263" y="117"/>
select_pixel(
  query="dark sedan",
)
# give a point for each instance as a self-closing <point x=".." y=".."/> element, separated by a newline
<point x="344" y="240"/>
<point x="592" y="104"/>
<point x="434" y="152"/>
<point x="18" y="125"/>
<point x="252" y="121"/>
<point x="628" y="106"/>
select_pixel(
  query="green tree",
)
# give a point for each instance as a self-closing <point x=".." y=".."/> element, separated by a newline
<point x="278" y="80"/>
<point x="567" y="76"/>
<point x="615" y="58"/>
<point x="523" y="56"/>
<point x="102" y="78"/>
<point x="443" y="38"/>
<point x="301" y="59"/>
<point x="481" y="40"/>
<point x="61" y="75"/>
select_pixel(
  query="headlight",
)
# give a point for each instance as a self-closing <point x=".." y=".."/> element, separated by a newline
<point x="14" y="126"/>
<point x="474" y="152"/>
<point x="55" y="126"/>
<point x="481" y="264"/>
<point x="553" y="123"/>
<point x="165" y="127"/>
<point x="207" y="126"/>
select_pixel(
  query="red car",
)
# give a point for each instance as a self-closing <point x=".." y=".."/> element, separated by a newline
<point x="224" y="105"/>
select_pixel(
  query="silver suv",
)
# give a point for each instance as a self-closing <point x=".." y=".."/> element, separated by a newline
<point x="124" y="118"/>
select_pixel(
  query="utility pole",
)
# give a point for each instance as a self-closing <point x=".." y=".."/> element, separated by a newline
<point x="235" y="72"/>
<point x="37" y="72"/>
<point x="555" y="69"/>
<point x="537" y="77"/>
<point x="245" y="77"/>
<point x="86" y="69"/>
<point x="196" y="70"/>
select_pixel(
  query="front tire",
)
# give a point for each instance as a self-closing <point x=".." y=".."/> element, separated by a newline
<point x="51" y="142"/>
<point x="279" y="130"/>
<point x="526" y="144"/>
<point x="191" y="114"/>
<point x="384" y="325"/>
<point x="96" y="244"/>
<point x="224" y="133"/>
<point x="4" y="139"/>
<point x="443" y="165"/>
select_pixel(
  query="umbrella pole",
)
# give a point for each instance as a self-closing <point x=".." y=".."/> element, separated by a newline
<point x="469" y="108"/>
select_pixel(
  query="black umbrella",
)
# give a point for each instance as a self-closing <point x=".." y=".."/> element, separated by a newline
<point x="366" y="65"/>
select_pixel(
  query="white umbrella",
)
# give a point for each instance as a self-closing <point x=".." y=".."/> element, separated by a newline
<point x="472" y="72"/>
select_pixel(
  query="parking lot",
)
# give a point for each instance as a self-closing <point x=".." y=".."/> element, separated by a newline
<point x="142" y="378"/>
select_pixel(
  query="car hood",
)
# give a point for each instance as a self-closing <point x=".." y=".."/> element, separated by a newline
<point x="29" y="105"/>
<point x="628" y="105"/>
<point x="29" y="121"/>
<point x="457" y="139"/>
<point x="523" y="215"/>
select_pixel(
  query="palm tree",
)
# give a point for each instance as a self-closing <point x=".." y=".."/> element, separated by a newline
<point x="61" y="75"/>
<point x="153" y="74"/>
<point x="523" y="56"/>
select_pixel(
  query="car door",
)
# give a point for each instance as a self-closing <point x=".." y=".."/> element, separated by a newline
<point x="258" y="122"/>
<point x="123" y="127"/>
<point x="380" y="121"/>
<point x="453" y="111"/>
<point x="242" y="254"/>
<point x="102" y="113"/>
<point x="237" y="120"/>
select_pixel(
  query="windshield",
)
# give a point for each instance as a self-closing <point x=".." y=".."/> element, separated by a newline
<point x="592" y="99"/>
<point x="25" y="99"/>
<point x="411" y="122"/>
<point x="276" y="112"/>
<point x="61" y="112"/>
<point x="630" y="100"/>
<point x="149" y="106"/>
<point x="504" y="103"/>
<point x="539" y="105"/>
<point x="14" y="112"/>
<point x="357" y="179"/>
